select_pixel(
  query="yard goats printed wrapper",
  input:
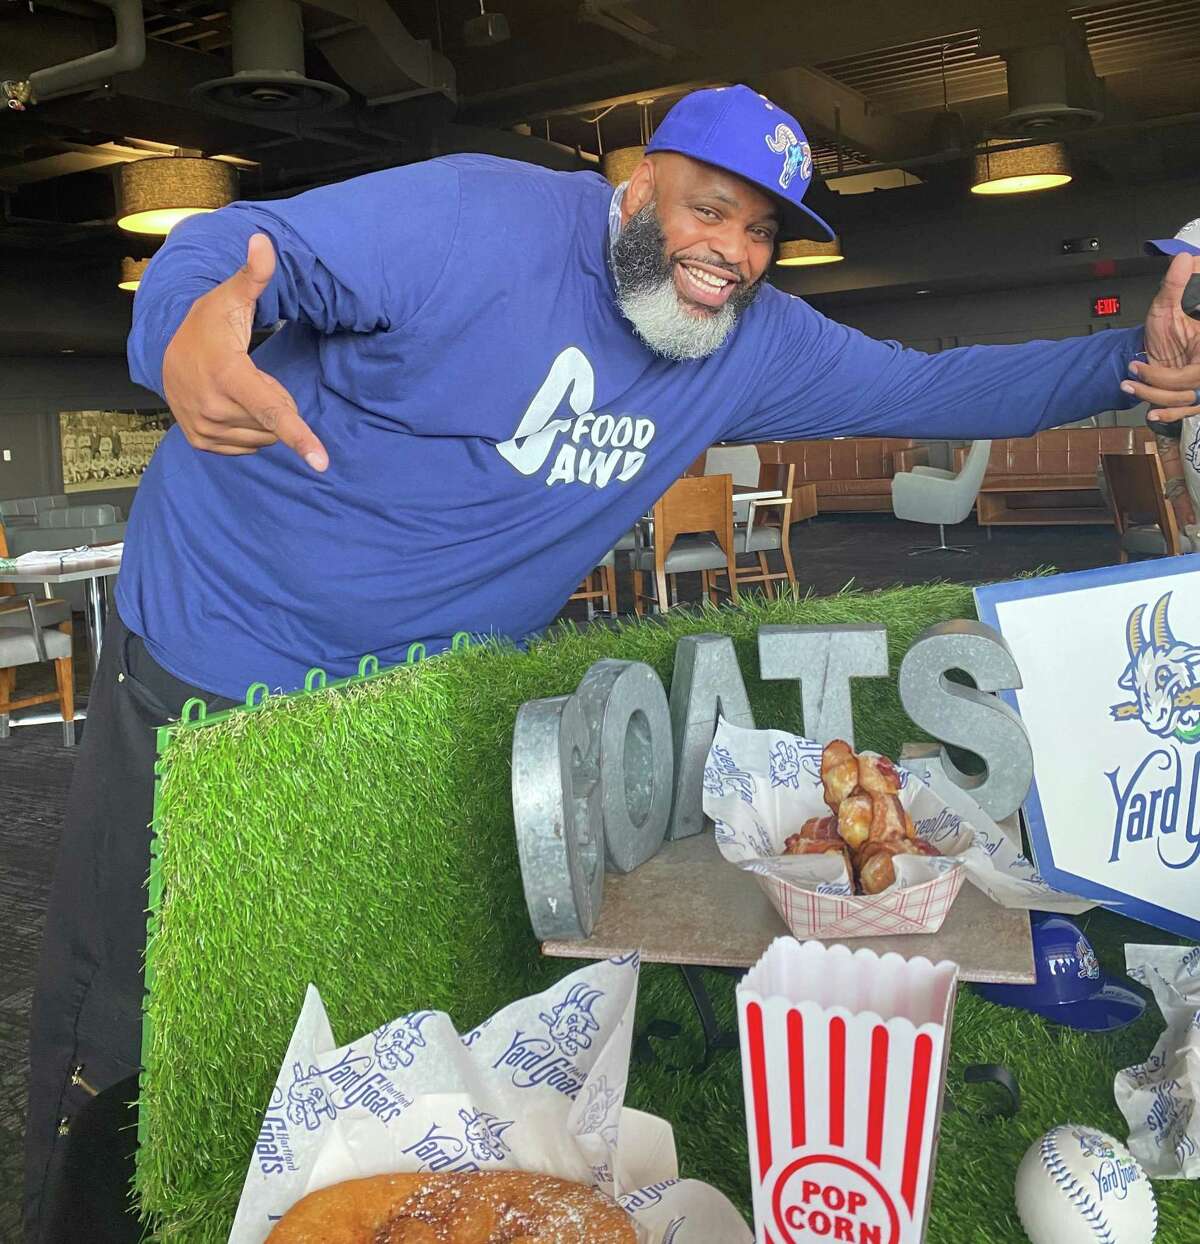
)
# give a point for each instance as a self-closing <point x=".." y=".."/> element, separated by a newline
<point x="538" y="1087"/>
<point x="1160" y="1098"/>
<point x="760" y="786"/>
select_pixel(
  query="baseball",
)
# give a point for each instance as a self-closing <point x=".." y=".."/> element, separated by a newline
<point x="1079" y="1186"/>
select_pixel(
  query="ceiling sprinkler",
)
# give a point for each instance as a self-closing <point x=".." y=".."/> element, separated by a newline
<point x="17" y="95"/>
<point x="486" y="29"/>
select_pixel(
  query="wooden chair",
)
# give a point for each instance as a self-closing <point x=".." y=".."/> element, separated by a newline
<point x="1143" y="517"/>
<point x="768" y="528"/>
<point x="27" y="636"/>
<point x="693" y="531"/>
<point x="600" y="584"/>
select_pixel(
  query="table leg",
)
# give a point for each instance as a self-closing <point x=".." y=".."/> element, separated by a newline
<point x="95" y="620"/>
<point x="715" y="1039"/>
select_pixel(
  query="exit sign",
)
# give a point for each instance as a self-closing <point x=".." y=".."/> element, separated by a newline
<point x="1108" y="305"/>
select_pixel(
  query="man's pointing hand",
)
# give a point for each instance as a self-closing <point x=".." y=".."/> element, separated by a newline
<point x="221" y="400"/>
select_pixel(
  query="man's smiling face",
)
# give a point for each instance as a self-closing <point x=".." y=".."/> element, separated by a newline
<point x="695" y="242"/>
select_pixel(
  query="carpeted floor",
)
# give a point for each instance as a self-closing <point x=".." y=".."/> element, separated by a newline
<point x="35" y="768"/>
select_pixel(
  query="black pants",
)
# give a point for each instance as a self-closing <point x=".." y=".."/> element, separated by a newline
<point x="86" y="1026"/>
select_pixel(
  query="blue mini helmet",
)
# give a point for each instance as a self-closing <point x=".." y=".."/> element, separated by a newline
<point x="1070" y="987"/>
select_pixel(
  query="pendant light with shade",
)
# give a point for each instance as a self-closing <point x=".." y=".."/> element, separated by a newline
<point x="132" y="271"/>
<point x="157" y="193"/>
<point x="804" y="254"/>
<point x="618" y="165"/>
<point x="1021" y="170"/>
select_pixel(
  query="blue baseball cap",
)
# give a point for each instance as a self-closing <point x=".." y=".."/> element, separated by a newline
<point x="1185" y="242"/>
<point x="742" y="132"/>
<point x="1070" y="987"/>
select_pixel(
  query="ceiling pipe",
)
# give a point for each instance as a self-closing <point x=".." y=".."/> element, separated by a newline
<point x="1082" y="138"/>
<point x="128" y="53"/>
<point x="597" y="13"/>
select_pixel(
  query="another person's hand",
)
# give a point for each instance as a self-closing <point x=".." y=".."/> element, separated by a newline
<point x="221" y="400"/>
<point x="1170" y="380"/>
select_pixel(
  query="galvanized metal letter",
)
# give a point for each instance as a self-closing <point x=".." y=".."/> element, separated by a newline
<point x="824" y="659"/>
<point x="625" y="708"/>
<point x="706" y="684"/>
<point x="969" y="717"/>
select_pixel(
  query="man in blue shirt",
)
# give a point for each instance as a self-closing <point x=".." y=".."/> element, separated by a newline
<point x="486" y="372"/>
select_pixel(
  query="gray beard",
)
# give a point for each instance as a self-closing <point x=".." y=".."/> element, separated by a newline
<point x="648" y="299"/>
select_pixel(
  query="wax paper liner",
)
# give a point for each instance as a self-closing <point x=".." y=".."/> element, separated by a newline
<point x="1160" y="1098"/>
<point x="760" y="786"/>
<point x="538" y="1087"/>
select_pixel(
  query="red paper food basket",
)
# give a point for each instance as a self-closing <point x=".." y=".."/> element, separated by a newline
<point x="809" y="913"/>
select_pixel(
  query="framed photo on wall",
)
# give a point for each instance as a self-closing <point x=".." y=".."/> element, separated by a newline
<point x="108" y="448"/>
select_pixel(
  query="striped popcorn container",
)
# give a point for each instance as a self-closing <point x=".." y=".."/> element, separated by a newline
<point x="843" y="1062"/>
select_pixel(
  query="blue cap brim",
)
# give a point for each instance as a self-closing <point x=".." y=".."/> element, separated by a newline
<point x="795" y="219"/>
<point x="1108" y="1009"/>
<point x="799" y="221"/>
<point x="1170" y="246"/>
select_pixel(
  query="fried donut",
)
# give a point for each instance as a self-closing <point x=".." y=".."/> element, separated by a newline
<point x="875" y="862"/>
<point x="889" y="820"/>
<point x="878" y="776"/>
<point x="839" y="772"/>
<point x="855" y="819"/>
<point x="494" y="1207"/>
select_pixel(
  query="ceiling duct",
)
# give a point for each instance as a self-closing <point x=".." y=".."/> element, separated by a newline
<point x="1052" y="86"/>
<point x="268" y="64"/>
<point x="125" y="55"/>
<point x="372" y="51"/>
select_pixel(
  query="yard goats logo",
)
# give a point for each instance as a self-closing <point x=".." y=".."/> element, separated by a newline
<point x="797" y="155"/>
<point x="1159" y="798"/>
<point x="571" y="1023"/>
<point x="1162" y="674"/>
<point x="317" y="1094"/>
<point x="395" y="1043"/>
<point x="481" y="1141"/>
<point x="571" y="1028"/>
<point x="723" y="777"/>
<point x="596" y="1113"/>
<point x="1089" y="965"/>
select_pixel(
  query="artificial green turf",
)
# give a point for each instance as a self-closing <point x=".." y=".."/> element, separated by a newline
<point x="362" y="838"/>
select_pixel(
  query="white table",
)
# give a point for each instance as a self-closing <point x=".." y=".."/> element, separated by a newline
<point x="756" y="494"/>
<point x="94" y="571"/>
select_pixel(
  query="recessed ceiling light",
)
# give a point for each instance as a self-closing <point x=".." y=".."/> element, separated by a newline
<point x="66" y="351"/>
<point x="924" y="291"/>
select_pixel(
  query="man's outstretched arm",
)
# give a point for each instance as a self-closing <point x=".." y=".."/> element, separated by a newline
<point x="825" y="379"/>
<point x="359" y="256"/>
<point x="840" y="382"/>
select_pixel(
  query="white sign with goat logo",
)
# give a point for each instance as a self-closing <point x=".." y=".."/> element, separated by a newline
<point x="1110" y="672"/>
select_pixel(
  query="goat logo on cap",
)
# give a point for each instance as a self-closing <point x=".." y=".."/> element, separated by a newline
<point x="797" y="155"/>
<point x="1162" y="674"/>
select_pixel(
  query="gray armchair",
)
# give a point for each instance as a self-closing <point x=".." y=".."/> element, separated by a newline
<point x="29" y="640"/>
<point x="931" y="495"/>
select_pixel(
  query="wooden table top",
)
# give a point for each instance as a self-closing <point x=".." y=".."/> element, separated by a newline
<point x="1039" y="483"/>
<point x="689" y="905"/>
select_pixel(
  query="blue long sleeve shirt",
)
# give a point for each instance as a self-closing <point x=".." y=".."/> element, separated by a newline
<point x="493" y="422"/>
